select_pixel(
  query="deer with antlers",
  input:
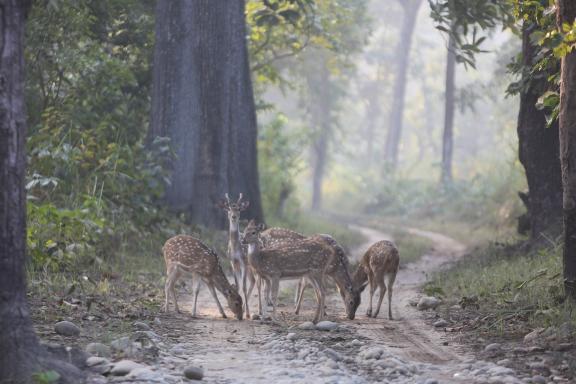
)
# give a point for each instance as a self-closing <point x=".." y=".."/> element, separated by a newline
<point x="379" y="267"/>
<point x="236" y="252"/>
<point x="186" y="255"/>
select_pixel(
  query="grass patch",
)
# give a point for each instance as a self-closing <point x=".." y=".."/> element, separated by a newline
<point x="518" y="287"/>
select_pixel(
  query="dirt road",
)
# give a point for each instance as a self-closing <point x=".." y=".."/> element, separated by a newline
<point x="366" y="350"/>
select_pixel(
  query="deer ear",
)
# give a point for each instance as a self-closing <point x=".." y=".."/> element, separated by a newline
<point x="244" y="205"/>
<point x="223" y="204"/>
<point x="261" y="227"/>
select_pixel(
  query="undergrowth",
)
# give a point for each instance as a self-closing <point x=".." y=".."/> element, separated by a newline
<point x="511" y="286"/>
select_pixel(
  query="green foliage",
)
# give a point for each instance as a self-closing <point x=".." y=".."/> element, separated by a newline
<point x="46" y="377"/>
<point x="510" y="279"/>
<point x="464" y="20"/>
<point x="279" y="160"/>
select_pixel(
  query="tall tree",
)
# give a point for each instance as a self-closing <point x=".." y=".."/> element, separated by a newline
<point x="202" y="99"/>
<point x="448" y="134"/>
<point x="538" y="146"/>
<point x="21" y="354"/>
<point x="402" y="53"/>
<point x="566" y="16"/>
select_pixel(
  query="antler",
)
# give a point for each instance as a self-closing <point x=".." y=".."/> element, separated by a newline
<point x="227" y="198"/>
<point x="239" y="198"/>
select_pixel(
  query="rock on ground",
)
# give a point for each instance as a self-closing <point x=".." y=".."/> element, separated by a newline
<point x="66" y="328"/>
<point x="326" y="326"/>
<point x="193" y="373"/>
<point x="428" y="302"/>
<point x="124" y="367"/>
<point x="99" y="349"/>
<point x="307" y="325"/>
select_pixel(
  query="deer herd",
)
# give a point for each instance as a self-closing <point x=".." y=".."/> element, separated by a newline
<point x="262" y="257"/>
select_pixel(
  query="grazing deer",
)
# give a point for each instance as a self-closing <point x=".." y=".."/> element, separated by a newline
<point x="380" y="261"/>
<point x="308" y="258"/>
<point x="189" y="256"/>
<point x="236" y="253"/>
<point x="339" y="270"/>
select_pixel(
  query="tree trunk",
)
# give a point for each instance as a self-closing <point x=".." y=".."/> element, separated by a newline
<point x="202" y="99"/>
<point x="402" y="53"/>
<point x="566" y="13"/>
<point x="20" y="352"/>
<point x="448" y="135"/>
<point x="539" y="154"/>
<point x="321" y="120"/>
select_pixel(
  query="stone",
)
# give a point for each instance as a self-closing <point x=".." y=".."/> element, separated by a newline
<point x="66" y="328"/>
<point x="145" y="374"/>
<point x="332" y="354"/>
<point x="291" y="336"/>
<point x="441" y="323"/>
<point x="99" y="349"/>
<point x="95" y="360"/>
<point x="538" y="379"/>
<point x="307" y="325"/>
<point x="326" y="326"/>
<point x="533" y="336"/>
<point x="428" y="302"/>
<point x="356" y="343"/>
<point x="563" y="347"/>
<point x="494" y="347"/>
<point x="124" y="367"/>
<point x="193" y="373"/>
<point x="504" y="362"/>
<point x="141" y="326"/>
<point x="372" y="353"/>
<point x="431" y="381"/>
<point x="157" y="321"/>
<point x="126" y="347"/>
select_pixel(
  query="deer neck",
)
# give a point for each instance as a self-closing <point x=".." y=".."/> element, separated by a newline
<point x="253" y="252"/>
<point x="221" y="283"/>
<point x="234" y="245"/>
<point x="342" y="278"/>
<point x="359" y="276"/>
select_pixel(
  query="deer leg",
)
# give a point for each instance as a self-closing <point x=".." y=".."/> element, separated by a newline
<point x="252" y="283"/>
<point x="382" y="286"/>
<point x="213" y="292"/>
<point x="300" y="294"/>
<point x="372" y="290"/>
<point x="275" y="285"/>
<point x="174" y="275"/>
<point x="391" y="279"/>
<point x="268" y="293"/>
<point x="245" y="291"/>
<point x="317" y="284"/>
<point x="196" y="292"/>
<point x="167" y="287"/>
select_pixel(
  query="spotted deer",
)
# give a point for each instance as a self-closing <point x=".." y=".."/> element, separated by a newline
<point x="311" y="258"/>
<point x="186" y="255"/>
<point x="236" y="252"/>
<point x="379" y="267"/>
<point x="339" y="271"/>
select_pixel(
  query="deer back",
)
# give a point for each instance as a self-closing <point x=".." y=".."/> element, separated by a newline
<point x="382" y="256"/>
<point x="274" y="237"/>
<point x="191" y="255"/>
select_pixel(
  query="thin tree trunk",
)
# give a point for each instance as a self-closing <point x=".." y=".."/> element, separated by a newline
<point x="20" y="352"/>
<point x="538" y="148"/>
<point x="322" y="122"/>
<point x="566" y="13"/>
<point x="202" y="99"/>
<point x="402" y="53"/>
<point x="448" y="135"/>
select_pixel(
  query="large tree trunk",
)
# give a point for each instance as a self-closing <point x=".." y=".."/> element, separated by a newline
<point x="566" y="13"/>
<point x="202" y="99"/>
<point x="402" y="53"/>
<point x="321" y="120"/>
<point x="448" y="135"/>
<point x="20" y="352"/>
<point x="539" y="154"/>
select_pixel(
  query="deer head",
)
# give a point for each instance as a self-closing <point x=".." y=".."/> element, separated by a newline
<point x="233" y="209"/>
<point x="235" y="302"/>
<point x="252" y="232"/>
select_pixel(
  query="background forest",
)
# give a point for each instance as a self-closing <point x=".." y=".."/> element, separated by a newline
<point x="387" y="112"/>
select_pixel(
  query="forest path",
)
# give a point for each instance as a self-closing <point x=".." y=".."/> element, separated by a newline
<point x="365" y="350"/>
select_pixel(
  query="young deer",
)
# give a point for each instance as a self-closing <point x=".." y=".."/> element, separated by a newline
<point x="308" y="258"/>
<point x="189" y="256"/>
<point x="236" y="253"/>
<point x="380" y="260"/>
